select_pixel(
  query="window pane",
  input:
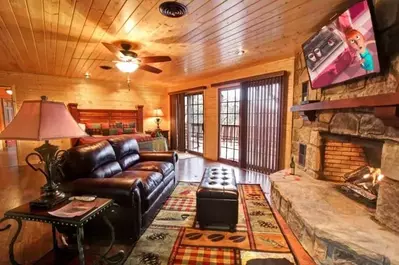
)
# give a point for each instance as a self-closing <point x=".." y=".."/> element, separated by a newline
<point x="231" y="95"/>
<point x="223" y="108"/>
<point x="238" y="94"/>
<point x="237" y="107"/>
<point x="231" y="107"/>
<point x="223" y="96"/>
<point x="229" y="110"/>
<point x="201" y="109"/>
<point x="223" y="120"/>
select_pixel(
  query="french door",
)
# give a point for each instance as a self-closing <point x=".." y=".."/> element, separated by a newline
<point x="250" y="124"/>
<point x="194" y="122"/>
<point x="229" y="124"/>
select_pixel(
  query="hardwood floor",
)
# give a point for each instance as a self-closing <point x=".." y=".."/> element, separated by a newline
<point x="21" y="184"/>
<point x="8" y="157"/>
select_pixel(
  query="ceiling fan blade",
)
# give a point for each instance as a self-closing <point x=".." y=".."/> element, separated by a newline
<point x="151" y="69"/>
<point x="113" y="49"/>
<point x="155" y="59"/>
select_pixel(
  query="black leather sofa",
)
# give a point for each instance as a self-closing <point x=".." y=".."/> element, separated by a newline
<point x="139" y="182"/>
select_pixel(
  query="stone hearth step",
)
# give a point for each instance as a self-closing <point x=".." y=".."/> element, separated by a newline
<point x="332" y="228"/>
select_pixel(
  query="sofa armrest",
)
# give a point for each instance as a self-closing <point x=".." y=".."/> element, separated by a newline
<point x="169" y="156"/>
<point x="120" y="189"/>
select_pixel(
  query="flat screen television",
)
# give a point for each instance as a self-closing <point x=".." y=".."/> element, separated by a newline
<point x="343" y="50"/>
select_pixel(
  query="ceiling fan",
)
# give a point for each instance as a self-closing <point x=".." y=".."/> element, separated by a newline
<point x="128" y="61"/>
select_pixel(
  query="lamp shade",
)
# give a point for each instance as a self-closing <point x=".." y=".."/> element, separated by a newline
<point x="42" y="120"/>
<point x="157" y="113"/>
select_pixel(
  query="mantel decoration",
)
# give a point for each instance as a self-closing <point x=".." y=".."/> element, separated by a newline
<point x="43" y="120"/>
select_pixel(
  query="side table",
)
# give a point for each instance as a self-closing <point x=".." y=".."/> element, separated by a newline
<point x="25" y="213"/>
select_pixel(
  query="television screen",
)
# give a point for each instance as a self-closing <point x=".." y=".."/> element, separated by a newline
<point x="343" y="50"/>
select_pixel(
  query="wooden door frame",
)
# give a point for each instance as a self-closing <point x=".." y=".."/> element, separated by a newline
<point x="14" y="106"/>
<point x="203" y="123"/>
<point x="243" y="121"/>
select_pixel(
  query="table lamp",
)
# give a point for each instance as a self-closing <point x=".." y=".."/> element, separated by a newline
<point x="158" y="113"/>
<point x="43" y="120"/>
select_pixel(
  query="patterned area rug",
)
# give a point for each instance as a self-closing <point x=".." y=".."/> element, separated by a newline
<point x="175" y="238"/>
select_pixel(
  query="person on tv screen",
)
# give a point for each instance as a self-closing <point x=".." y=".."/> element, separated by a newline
<point x="357" y="41"/>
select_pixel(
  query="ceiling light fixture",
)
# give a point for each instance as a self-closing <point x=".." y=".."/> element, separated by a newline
<point x="240" y="52"/>
<point x="9" y="91"/>
<point x="87" y="75"/>
<point x="127" y="67"/>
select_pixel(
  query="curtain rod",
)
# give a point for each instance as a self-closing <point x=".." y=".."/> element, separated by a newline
<point x="187" y="90"/>
<point x="250" y="78"/>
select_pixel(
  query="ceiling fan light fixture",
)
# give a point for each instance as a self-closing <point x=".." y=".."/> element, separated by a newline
<point x="127" y="67"/>
<point x="173" y="9"/>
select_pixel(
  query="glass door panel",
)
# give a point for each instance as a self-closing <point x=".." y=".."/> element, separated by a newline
<point x="194" y="106"/>
<point x="229" y="129"/>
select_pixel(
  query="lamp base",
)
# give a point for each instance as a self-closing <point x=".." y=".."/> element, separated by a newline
<point x="48" y="201"/>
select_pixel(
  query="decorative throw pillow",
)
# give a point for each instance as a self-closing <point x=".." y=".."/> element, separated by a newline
<point x="113" y="131"/>
<point x="93" y="125"/>
<point x="104" y="125"/>
<point x="129" y="125"/>
<point x="129" y="130"/>
<point x="93" y="128"/>
<point x="119" y="130"/>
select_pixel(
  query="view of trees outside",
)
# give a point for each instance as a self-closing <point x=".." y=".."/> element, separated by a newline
<point x="194" y="121"/>
<point x="229" y="123"/>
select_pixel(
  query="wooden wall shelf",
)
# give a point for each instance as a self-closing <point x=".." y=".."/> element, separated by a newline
<point x="386" y="107"/>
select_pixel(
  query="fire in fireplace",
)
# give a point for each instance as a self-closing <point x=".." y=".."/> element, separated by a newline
<point x="354" y="161"/>
<point x="363" y="183"/>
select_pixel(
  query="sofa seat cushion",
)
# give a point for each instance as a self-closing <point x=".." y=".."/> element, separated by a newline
<point x="157" y="166"/>
<point x="149" y="180"/>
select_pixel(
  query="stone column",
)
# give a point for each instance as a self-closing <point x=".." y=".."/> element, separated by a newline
<point x="388" y="197"/>
<point x="388" y="203"/>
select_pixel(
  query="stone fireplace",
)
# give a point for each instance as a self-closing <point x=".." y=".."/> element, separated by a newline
<point x="335" y="132"/>
<point x="334" y="228"/>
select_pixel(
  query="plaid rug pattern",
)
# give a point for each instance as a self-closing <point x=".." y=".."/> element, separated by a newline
<point x="174" y="236"/>
<point x="205" y="256"/>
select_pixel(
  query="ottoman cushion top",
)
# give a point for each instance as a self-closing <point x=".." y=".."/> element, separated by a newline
<point x="218" y="183"/>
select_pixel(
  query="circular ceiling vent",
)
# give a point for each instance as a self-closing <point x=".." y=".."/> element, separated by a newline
<point x="105" y="67"/>
<point x="172" y="9"/>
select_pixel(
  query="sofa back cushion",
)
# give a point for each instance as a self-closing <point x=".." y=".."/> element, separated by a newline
<point x="126" y="150"/>
<point x="96" y="160"/>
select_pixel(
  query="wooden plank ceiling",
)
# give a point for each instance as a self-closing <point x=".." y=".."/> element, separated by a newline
<point x="63" y="37"/>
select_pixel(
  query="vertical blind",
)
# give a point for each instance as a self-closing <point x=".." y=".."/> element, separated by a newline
<point x="177" y="122"/>
<point x="262" y="120"/>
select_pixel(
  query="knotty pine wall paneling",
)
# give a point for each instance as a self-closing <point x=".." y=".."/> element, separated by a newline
<point x="87" y="93"/>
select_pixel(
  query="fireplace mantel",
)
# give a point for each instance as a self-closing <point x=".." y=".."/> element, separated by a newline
<point x="386" y="107"/>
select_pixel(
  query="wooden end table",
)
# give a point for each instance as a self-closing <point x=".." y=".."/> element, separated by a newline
<point x="25" y="213"/>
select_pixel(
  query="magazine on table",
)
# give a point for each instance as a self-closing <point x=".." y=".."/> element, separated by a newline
<point x="73" y="209"/>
